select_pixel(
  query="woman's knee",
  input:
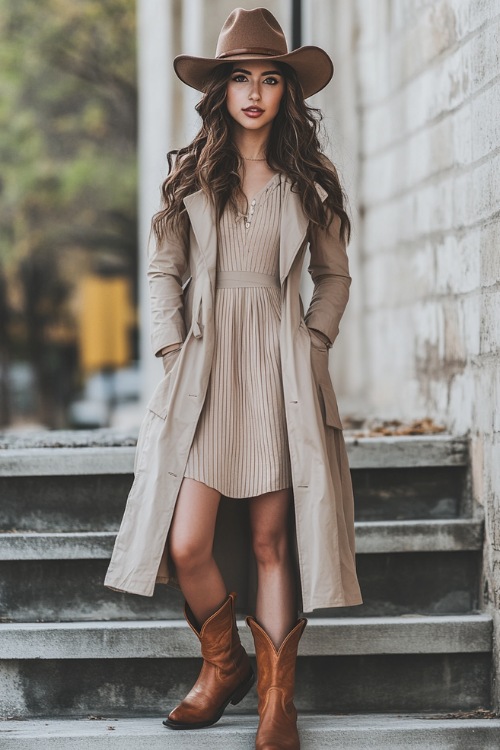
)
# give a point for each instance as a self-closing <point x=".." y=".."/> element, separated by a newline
<point x="189" y="554"/>
<point x="270" y="547"/>
<point x="190" y="539"/>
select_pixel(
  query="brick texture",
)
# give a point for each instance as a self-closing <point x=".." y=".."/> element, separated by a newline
<point x="427" y="76"/>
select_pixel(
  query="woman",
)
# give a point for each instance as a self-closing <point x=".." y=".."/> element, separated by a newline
<point x="246" y="408"/>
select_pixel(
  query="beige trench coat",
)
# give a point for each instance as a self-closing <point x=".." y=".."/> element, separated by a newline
<point x="322" y="516"/>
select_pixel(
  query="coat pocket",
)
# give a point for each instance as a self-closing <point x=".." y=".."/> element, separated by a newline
<point x="169" y="360"/>
<point x="159" y="403"/>
<point x="142" y="443"/>
<point x="316" y="341"/>
<point x="326" y="394"/>
<point x="330" y="407"/>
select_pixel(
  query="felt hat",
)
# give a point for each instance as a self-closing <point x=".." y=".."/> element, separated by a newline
<point x="256" y="35"/>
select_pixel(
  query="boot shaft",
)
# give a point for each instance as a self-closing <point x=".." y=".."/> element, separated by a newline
<point x="275" y="687"/>
<point x="276" y="668"/>
<point x="219" y="639"/>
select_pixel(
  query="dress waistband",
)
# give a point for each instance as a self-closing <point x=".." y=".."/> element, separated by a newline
<point x="232" y="279"/>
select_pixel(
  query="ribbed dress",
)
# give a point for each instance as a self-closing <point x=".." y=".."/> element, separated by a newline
<point x="240" y="445"/>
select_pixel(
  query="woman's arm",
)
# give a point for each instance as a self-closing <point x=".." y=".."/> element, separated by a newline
<point x="168" y="263"/>
<point x="329" y="270"/>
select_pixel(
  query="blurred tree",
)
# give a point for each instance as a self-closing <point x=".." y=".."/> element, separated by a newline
<point x="4" y="352"/>
<point x="67" y="168"/>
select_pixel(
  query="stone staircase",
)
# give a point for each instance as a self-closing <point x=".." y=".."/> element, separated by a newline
<point x="82" y="666"/>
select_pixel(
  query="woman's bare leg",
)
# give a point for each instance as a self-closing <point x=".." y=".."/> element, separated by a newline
<point x="191" y="540"/>
<point x="276" y="609"/>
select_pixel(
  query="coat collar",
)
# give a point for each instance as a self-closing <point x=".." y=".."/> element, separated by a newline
<point x="294" y="225"/>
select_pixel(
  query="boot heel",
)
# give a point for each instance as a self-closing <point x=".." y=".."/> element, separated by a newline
<point x="243" y="689"/>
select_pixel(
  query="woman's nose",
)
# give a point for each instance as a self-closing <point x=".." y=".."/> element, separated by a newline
<point x="254" y="93"/>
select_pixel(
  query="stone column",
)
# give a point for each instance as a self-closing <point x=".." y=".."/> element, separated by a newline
<point x="155" y="83"/>
<point x="193" y="43"/>
<point x="332" y="26"/>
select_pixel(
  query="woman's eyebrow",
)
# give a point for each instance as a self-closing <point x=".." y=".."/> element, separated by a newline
<point x="265" y="73"/>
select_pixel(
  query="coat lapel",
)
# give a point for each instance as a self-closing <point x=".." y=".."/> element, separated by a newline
<point x="294" y="225"/>
<point x="293" y="230"/>
<point x="202" y="217"/>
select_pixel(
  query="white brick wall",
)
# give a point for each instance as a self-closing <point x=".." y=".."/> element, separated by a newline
<point x="428" y="103"/>
<point x="429" y="108"/>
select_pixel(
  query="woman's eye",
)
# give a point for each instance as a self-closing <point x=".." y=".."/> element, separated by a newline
<point x="240" y="78"/>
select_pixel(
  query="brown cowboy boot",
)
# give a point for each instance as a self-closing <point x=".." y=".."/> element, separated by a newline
<point x="226" y="675"/>
<point x="275" y="685"/>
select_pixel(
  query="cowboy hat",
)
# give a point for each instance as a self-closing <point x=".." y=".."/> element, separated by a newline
<point x="256" y="35"/>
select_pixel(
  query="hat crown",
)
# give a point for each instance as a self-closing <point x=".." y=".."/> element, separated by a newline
<point x="251" y="31"/>
<point x="256" y="35"/>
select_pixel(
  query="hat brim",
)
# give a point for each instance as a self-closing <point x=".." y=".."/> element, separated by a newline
<point x="313" y="66"/>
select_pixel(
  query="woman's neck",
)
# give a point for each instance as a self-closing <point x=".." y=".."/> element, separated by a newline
<point x="250" y="144"/>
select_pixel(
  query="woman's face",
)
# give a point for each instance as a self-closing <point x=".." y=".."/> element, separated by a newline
<point x="254" y="92"/>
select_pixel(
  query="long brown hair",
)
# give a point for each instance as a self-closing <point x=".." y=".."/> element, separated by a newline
<point x="212" y="163"/>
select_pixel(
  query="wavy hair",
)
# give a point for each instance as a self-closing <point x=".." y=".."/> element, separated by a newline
<point x="212" y="163"/>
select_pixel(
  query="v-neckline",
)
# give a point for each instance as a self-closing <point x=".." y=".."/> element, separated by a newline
<point x="257" y="194"/>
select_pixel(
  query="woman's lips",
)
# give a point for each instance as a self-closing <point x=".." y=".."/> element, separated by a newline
<point x="253" y="112"/>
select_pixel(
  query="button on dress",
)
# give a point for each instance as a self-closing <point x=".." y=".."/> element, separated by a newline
<point x="240" y="445"/>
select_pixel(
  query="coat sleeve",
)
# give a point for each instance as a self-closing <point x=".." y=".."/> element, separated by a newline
<point x="329" y="270"/>
<point x="168" y="262"/>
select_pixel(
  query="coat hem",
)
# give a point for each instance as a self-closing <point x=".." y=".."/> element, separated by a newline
<point x="143" y="588"/>
<point x="335" y="603"/>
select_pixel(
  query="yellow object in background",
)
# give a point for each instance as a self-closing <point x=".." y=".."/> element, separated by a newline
<point x="105" y="317"/>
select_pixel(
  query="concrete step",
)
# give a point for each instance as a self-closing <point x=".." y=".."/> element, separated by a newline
<point x="59" y="503"/>
<point x="371" y="452"/>
<point x="413" y="477"/>
<point x="60" y="576"/>
<point x="372" y="537"/>
<point x="416" y="634"/>
<point x="392" y="584"/>
<point x="418" y="493"/>
<point x="317" y="732"/>
<point x="371" y="664"/>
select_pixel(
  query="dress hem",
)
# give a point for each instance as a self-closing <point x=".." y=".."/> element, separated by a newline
<point x="237" y="496"/>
